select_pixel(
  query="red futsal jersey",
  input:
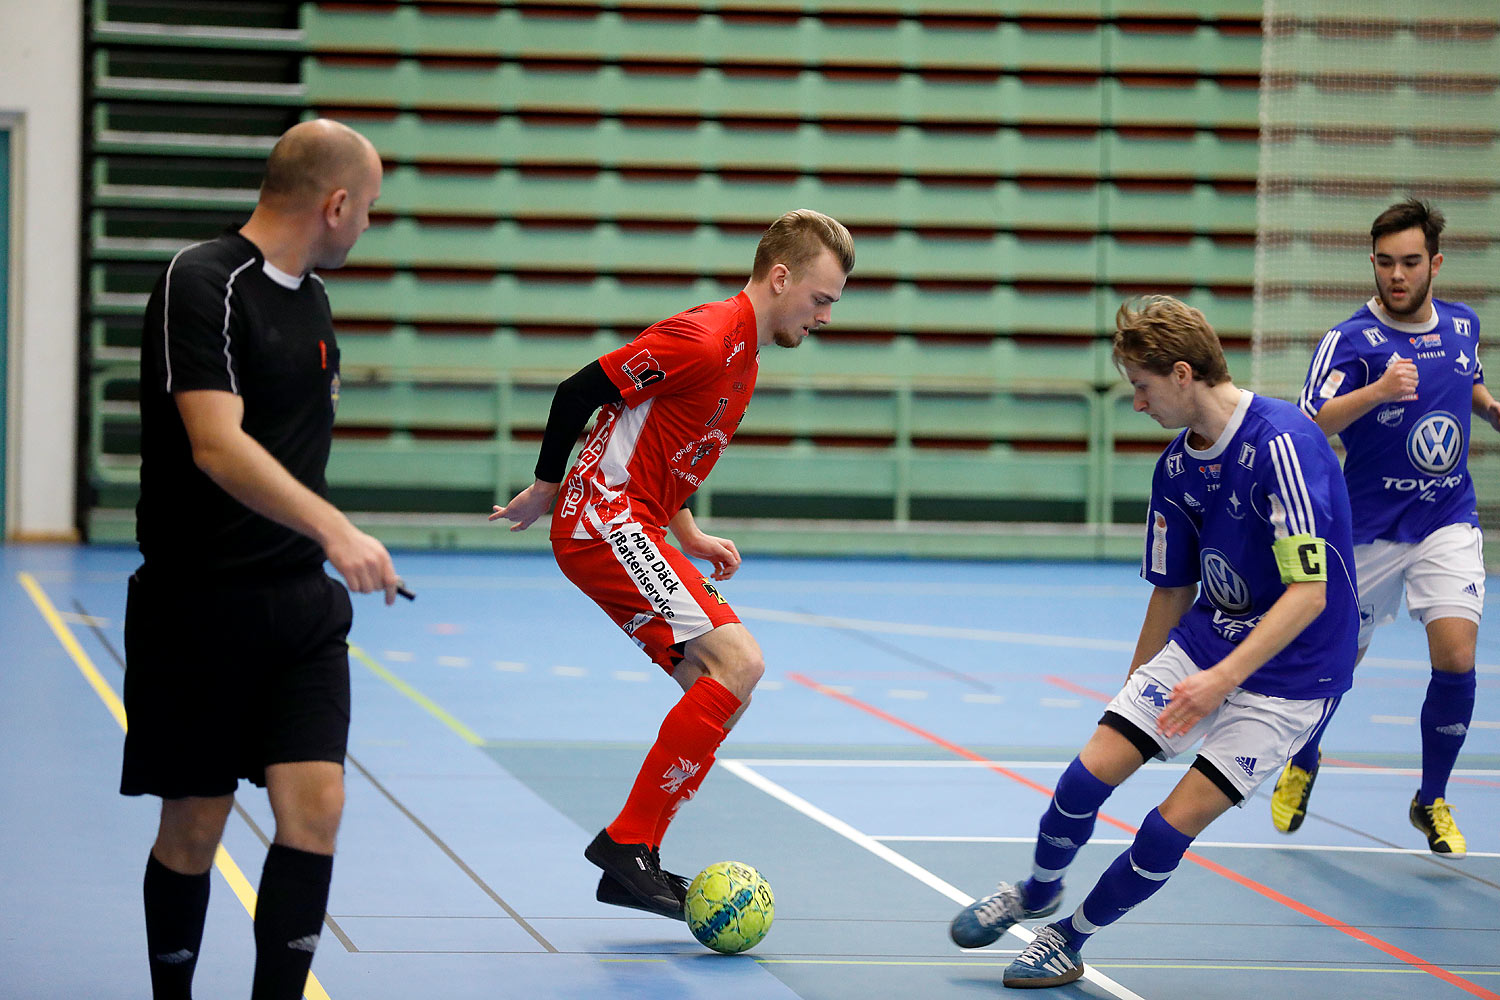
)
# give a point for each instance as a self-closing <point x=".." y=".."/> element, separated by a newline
<point x="684" y="384"/>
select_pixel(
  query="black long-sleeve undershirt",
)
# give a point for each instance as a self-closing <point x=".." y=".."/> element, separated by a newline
<point x="576" y="399"/>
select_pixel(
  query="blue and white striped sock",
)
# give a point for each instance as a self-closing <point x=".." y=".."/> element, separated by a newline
<point x="1064" y="828"/>
<point x="1131" y="879"/>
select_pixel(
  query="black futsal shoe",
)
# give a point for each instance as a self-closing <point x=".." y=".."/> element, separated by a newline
<point x="633" y="877"/>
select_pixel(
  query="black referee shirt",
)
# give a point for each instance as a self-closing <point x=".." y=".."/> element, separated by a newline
<point x="217" y="320"/>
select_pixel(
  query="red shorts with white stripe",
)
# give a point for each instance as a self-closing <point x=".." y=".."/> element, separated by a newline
<point x="647" y="587"/>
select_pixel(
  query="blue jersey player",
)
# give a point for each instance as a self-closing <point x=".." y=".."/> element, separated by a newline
<point x="1397" y="382"/>
<point x="1248" y="639"/>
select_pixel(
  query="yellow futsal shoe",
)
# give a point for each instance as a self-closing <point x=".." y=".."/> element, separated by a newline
<point x="1289" y="800"/>
<point x="1436" y="821"/>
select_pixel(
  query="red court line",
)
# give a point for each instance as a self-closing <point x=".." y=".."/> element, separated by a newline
<point x="1068" y="685"/>
<point x="1213" y="866"/>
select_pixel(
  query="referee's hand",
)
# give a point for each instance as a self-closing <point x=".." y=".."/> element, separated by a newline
<point x="364" y="564"/>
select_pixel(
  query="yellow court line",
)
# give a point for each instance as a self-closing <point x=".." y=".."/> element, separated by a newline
<point x="1098" y="965"/>
<point x="433" y="708"/>
<point x="222" y="860"/>
<point x="65" y="636"/>
<point x="1293" y="968"/>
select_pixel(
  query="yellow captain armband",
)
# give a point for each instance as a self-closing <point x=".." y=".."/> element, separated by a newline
<point x="1300" y="558"/>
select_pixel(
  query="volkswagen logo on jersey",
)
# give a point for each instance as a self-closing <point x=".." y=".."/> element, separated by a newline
<point x="1225" y="587"/>
<point x="1436" y="443"/>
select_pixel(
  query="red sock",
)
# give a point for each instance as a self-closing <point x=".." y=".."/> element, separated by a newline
<point x="684" y="748"/>
<point x="688" y="790"/>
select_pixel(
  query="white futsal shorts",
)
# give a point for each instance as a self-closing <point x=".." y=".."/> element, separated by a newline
<point x="1443" y="576"/>
<point x="1248" y="738"/>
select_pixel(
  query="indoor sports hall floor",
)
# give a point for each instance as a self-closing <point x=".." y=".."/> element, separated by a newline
<point x="913" y="716"/>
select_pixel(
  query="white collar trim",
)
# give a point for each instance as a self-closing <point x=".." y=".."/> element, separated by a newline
<point x="1396" y="324"/>
<point x="1230" y="430"/>
<point x="279" y="276"/>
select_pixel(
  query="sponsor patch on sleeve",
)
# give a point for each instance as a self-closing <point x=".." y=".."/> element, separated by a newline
<point x="1331" y="384"/>
<point x="1158" y="542"/>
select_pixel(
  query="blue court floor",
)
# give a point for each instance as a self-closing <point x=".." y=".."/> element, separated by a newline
<point x="913" y="716"/>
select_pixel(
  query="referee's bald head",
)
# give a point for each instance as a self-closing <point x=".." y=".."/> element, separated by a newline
<point x="312" y="159"/>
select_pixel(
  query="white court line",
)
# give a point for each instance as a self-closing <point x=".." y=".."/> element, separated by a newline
<point x="1057" y="765"/>
<point x="900" y="861"/>
<point x="933" y="631"/>
<point x="550" y="582"/>
<point x="1197" y="844"/>
<point x="1411" y="720"/>
<point x="458" y="581"/>
<point x="1392" y="663"/>
<point x="1016" y="638"/>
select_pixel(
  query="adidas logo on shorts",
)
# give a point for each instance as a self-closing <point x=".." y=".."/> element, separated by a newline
<point x="1247" y="764"/>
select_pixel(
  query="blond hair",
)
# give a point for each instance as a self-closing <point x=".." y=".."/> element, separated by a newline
<point x="1154" y="332"/>
<point x="797" y="238"/>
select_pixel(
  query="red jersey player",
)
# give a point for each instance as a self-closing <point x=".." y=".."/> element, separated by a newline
<point x="671" y="400"/>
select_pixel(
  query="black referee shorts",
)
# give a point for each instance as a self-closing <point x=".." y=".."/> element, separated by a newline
<point x="224" y="679"/>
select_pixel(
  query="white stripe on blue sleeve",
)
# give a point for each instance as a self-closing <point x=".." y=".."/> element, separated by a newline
<point x="1300" y="516"/>
<point x="1322" y="362"/>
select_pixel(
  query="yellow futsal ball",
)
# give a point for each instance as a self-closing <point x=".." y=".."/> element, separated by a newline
<point x="729" y="907"/>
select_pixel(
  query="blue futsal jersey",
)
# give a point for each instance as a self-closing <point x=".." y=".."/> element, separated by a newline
<point x="1214" y="519"/>
<point x="1407" y="461"/>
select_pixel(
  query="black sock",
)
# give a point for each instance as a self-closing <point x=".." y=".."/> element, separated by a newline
<point x="288" y="920"/>
<point x="176" y="906"/>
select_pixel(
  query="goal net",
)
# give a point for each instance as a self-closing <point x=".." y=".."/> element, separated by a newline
<point x="1361" y="105"/>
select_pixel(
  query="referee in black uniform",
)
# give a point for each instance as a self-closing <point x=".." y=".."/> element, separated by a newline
<point x="237" y="665"/>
